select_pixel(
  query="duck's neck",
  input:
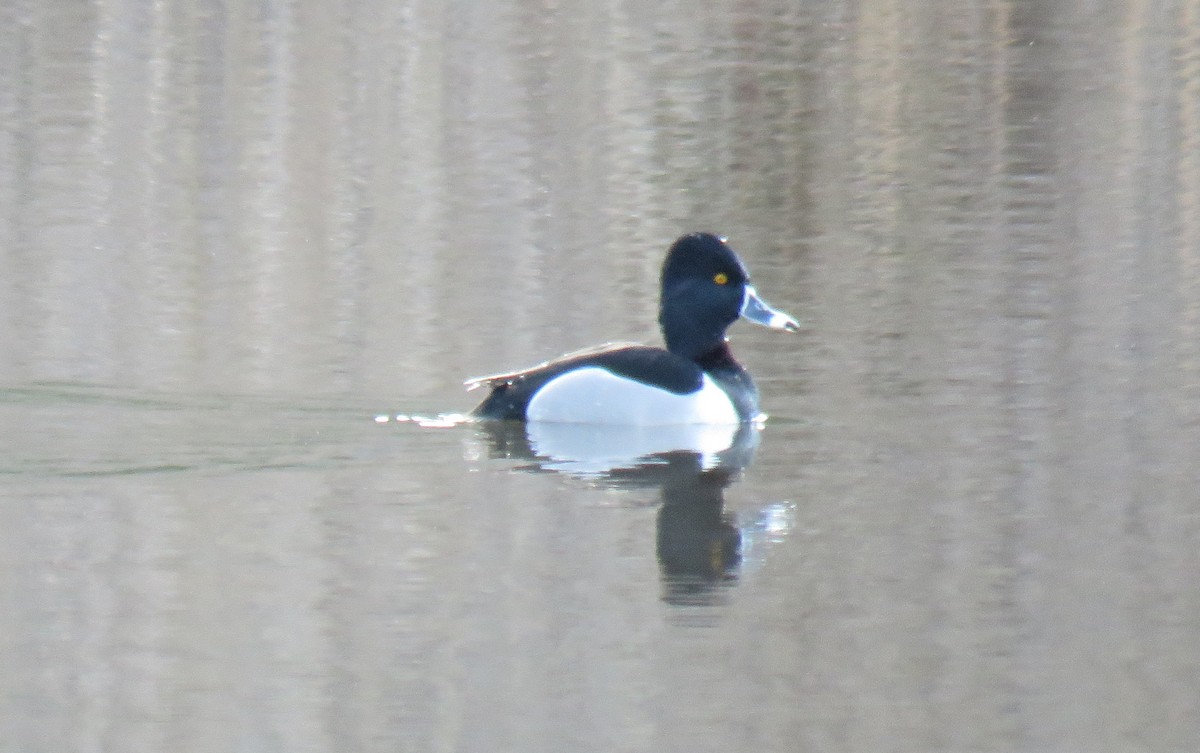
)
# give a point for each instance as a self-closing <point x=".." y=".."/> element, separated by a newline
<point x="719" y="358"/>
<point x="719" y="364"/>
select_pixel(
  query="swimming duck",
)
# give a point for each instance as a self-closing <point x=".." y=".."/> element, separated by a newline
<point x="695" y="380"/>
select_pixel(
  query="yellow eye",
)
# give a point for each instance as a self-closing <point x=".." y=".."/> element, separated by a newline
<point x="720" y="278"/>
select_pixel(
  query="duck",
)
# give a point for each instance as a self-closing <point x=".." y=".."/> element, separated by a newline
<point x="694" y="380"/>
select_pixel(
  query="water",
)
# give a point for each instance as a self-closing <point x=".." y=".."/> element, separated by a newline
<point x="232" y="238"/>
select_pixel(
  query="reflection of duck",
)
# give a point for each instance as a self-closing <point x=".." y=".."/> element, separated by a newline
<point x="624" y="456"/>
<point x="698" y="542"/>
<point x="705" y="288"/>
<point x="592" y="449"/>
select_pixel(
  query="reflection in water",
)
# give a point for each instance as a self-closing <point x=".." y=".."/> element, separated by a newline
<point x="588" y="448"/>
<point x="700" y="545"/>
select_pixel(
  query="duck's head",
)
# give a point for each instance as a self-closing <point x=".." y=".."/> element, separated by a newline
<point x="705" y="288"/>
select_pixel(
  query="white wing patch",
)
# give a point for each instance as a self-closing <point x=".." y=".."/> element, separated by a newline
<point x="593" y="395"/>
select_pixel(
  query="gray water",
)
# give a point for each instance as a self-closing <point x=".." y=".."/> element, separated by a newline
<point x="237" y="240"/>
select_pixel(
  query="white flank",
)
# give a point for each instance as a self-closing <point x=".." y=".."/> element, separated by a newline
<point x="596" y="396"/>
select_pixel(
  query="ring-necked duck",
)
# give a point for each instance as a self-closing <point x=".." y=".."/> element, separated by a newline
<point x="705" y="288"/>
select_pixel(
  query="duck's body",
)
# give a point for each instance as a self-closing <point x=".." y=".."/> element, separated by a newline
<point x="695" y="380"/>
<point x="624" y="384"/>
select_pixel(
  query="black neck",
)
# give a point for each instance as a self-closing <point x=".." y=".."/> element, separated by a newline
<point x="721" y="366"/>
<point x="718" y="358"/>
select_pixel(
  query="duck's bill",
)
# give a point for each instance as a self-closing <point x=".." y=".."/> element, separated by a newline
<point x="760" y="312"/>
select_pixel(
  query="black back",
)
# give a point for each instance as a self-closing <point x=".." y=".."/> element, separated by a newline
<point x="511" y="393"/>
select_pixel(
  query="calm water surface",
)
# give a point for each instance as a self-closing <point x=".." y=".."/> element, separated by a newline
<point x="233" y="240"/>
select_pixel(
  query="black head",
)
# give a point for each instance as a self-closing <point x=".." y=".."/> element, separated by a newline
<point x="705" y="288"/>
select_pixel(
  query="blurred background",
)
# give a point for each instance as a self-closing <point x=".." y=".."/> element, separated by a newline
<point x="234" y="235"/>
